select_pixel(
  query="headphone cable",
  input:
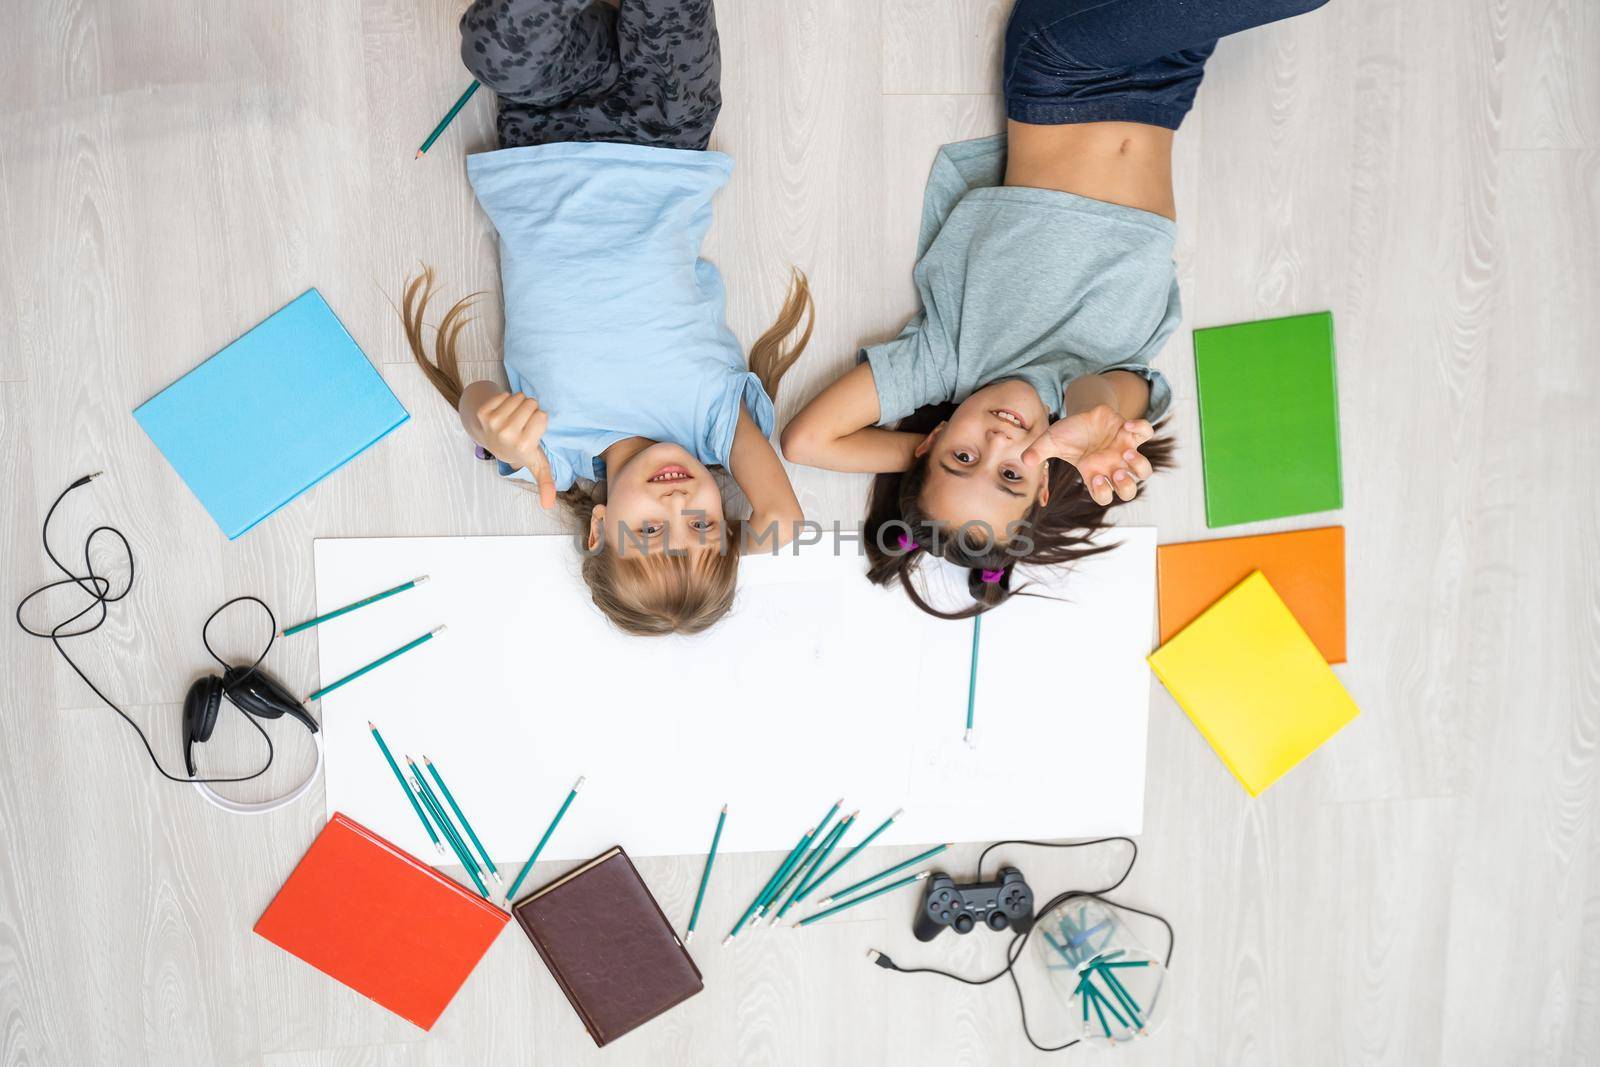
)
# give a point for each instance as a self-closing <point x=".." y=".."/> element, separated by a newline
<point x="98" y="589"/>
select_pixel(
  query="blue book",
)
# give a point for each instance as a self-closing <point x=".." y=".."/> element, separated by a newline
<point x="271" y="415"/>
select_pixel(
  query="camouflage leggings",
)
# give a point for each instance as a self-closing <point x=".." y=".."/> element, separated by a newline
<point x="582" y="70"/>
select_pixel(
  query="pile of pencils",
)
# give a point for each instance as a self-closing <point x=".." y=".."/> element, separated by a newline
<point x="1082" y="949"/>
<point x="443" y="831"/>
<point x="804" y="869"/>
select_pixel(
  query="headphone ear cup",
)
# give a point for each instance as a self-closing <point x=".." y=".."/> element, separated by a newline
<point x="255" y="692"/>
<point x="200" y="707"/>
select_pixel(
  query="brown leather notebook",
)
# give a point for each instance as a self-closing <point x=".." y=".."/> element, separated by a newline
<point x="608" y="946"/>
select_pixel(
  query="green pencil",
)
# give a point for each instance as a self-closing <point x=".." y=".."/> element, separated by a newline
<point x="796" y="875"/>
<point x="455" y="845"/>
<point x="825" y="851"/>
<point x="494" y="872"/>
<point x="789" y="864"/>
<point x="1117" y="990"/>
<point x="818" y="857"/>
<point x="401" y="778"/>
<point x="373" y="599"/>
<point x="705" y="875"/>
<point x="449" y="116"/>
<point x="429" y="798"/>
<point x="548" y="830"/>
<point x="380" y="661"/>
<point x="897" y="868"/>
<point x="799" y="847"/>
<point x="863" y="898"/>
<point x="972" y="676"/>
<point x="1100" y="998"/>
<point x="1086" y="991"/>
<point x="848" y="856"/>
<point x="1059" y="947"/>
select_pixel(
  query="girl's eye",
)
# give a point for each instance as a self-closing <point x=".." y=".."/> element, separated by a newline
<point x="700" y="525"/>
<point x="963" y="456"/>
<point x="653" y="529"/>
<point x="1010" y="475"/>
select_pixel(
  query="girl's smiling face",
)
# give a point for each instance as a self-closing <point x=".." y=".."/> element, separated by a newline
<point x="661" y="499"/>
<point x="975" y="472"/>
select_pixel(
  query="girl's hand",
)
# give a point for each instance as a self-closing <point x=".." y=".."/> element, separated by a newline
<point x="512" y="426"/>
<point x="1102" y="445"/>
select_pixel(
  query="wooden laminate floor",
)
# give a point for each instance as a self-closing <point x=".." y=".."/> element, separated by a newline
<point x="1426" y="890"/>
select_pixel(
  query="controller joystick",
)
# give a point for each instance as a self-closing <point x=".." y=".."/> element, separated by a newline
<point x="1006" y="904"/>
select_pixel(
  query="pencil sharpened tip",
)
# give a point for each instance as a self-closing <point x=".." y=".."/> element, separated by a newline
<point x="306" y="703"/>
<point x="724" y="809"/>
<point x="435" y="631"/>
<point x="967" y="737"/>
<point x="688" y="937"/>
<point x="419" y="579"/>
<point x="579" y="783"/>
<point x="418" y="155"/>
<point x="727" y="940"/>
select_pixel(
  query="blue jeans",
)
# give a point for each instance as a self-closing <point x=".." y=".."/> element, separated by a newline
<point x="1120" y="60"/>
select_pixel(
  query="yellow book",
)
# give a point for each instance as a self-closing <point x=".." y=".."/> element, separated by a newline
<point x="1253" y="683"/>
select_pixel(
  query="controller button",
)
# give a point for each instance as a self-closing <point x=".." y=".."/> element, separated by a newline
<point x="963" y="923"/>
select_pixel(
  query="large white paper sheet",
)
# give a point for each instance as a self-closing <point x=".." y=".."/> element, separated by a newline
<point x="818" y="686"/>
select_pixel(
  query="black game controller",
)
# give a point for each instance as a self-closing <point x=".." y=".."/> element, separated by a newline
<point x="997" y="905"/>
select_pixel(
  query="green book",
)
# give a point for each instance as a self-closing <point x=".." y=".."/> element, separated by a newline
<point x="1269" y="418"/>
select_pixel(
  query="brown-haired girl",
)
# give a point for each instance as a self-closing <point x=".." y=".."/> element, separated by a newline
<point x="1017" y="405"/>
<point x="621" y="366"/>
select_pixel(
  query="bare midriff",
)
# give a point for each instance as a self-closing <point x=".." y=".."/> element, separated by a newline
<point x="1127" y="163"/>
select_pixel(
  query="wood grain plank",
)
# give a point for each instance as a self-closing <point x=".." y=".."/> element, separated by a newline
<point x="88" y="311"/>
<point x="943" y="46"/>
<point x="1536" y="745"/>
<point x="29" y="962"/>
<point x="1552" y="97"/>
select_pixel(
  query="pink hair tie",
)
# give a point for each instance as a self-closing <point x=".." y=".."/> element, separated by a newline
<point x="908" y="545"/>
<point x="993" y="577"/>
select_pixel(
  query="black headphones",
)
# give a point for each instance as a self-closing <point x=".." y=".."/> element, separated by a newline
<point x="250" y="689"/>
<point x="255" y="693"/>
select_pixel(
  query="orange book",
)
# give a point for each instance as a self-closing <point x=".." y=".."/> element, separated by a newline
<point x="381" y="921"/>
<point x="1306" y="567"/>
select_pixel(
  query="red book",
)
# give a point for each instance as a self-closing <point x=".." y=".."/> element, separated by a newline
<point x="381" y="921"/>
